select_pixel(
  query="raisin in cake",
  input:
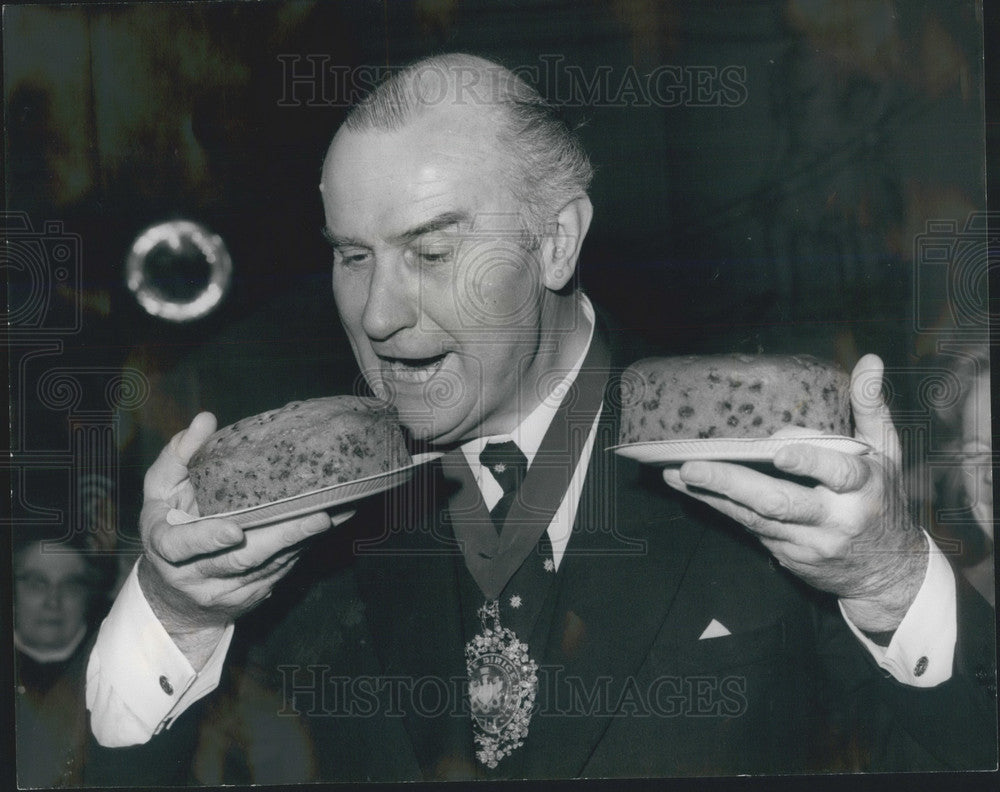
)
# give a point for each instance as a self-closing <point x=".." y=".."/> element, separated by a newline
<point x="732" y="396"/>
<point x="300" y="447"/>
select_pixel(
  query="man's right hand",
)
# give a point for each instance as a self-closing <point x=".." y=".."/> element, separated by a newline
<point x="199" y="577"/>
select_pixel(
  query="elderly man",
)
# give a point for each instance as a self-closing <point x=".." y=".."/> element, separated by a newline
<point x="603" y="627"/>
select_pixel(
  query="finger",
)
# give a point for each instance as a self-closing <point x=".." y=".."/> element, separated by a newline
<point x="835" y="470"/>
<point x="282" y="562"/>
<point x="263" y="543"/>
<point x="764" y="528"/>
<point x="252" y="594"/>
<point x="792" y="555"/>
<point x="341" y="517"/>
<point x="872" y="419"/>
<point x="185" y="443"/>
<point x="245" y="565"/>
<point x="241" y="594"/>
<point x="164" y="475"/>
<point x="178" y="544"/>
<point x="765" y="495"/>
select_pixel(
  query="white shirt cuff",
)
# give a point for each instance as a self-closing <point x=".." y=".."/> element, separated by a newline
<point x="138" y="681"/>
<point x="922" y="650"/>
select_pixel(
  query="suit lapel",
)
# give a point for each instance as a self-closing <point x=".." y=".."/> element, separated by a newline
<point x="628" y="553"/>
<point x="409" y="579"/>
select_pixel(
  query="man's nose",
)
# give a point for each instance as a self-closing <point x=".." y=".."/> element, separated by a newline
<point x="393" y="296"/>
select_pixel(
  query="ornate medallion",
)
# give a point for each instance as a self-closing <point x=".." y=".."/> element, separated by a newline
<point x="503" y="680"/>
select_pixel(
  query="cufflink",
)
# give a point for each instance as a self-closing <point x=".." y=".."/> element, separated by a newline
<point x="165" y="686"/>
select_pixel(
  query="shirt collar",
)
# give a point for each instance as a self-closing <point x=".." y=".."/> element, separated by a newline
<point x="529" y="433"/>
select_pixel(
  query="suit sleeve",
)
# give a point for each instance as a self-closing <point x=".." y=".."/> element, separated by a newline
<point x="922" y="649"/>
<point x="956" y="721"/>
<point x="888" y="725"/>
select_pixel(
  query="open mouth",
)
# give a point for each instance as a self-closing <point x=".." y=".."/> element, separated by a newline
<point x="411" y="369"/>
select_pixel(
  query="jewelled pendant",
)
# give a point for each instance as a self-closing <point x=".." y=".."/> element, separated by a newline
<point x="503" y="680"/>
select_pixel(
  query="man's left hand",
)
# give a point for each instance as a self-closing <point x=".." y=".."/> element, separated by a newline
<point x="843" y="526"/>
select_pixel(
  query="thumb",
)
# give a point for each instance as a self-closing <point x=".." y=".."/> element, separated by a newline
<point x="185" y="443"/>
<point x="170" y="468"/>
<point x="872" y="419"/>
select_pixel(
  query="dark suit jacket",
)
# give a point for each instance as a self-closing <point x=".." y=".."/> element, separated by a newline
<point x="363" y="647"/>
<point x="626" y="686"/>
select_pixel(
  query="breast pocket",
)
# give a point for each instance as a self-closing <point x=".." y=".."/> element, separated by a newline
<point x="763" y="645"/>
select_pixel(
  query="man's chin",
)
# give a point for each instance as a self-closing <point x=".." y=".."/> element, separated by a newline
<point x="432" y="429"/>
<point x="426" y="432"/>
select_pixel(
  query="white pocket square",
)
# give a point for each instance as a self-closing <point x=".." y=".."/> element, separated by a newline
<point x="714" y="630"/>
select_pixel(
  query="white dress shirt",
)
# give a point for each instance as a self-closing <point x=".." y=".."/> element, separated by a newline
<point x="528" y="435"/>
<point x="138" y="681"/>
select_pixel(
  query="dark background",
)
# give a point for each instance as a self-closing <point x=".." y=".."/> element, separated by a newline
<point x="779" y="218"/>
<point x="783" y="220"/>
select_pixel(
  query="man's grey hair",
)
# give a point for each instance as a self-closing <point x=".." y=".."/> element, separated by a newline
<point x="545" y="163"/>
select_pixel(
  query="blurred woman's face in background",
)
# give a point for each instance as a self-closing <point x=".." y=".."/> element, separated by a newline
<point x="978" y="472"/>
<point x="50" y="596"/>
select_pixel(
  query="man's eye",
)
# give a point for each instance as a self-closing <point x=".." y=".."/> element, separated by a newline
<point x="436" y="254"/>
<point x="351" y="257"/>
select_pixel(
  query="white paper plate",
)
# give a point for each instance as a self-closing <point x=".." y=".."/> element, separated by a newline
<point x="736" y="449"/>
<point x="311" y="502"/>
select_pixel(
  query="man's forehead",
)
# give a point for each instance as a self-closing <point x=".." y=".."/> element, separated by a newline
<point x="435" y="164"/>
<point x="447" y="134"/>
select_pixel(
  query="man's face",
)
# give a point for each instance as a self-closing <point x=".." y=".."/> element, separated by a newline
<point x="50" y="597"/>
<point x="442" y="300"/>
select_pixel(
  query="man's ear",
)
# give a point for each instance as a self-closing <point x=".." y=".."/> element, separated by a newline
<point x="562" y="242"/>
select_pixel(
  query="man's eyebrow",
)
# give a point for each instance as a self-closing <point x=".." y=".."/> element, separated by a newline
<point x="340" y="241"/>
<point x="438" y="223"/>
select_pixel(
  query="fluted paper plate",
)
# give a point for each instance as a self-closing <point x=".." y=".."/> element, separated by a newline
<point x="310" y="502"/>
<point x="731" y="449"/>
